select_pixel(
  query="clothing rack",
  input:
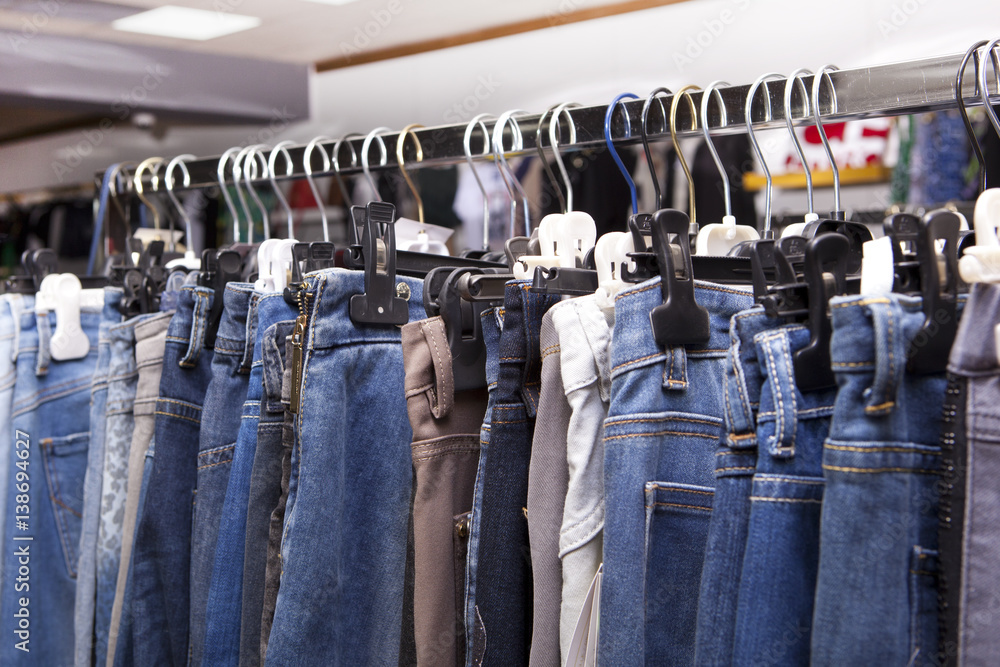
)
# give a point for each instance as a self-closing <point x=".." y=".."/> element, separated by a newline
<point x="907" y="87"/>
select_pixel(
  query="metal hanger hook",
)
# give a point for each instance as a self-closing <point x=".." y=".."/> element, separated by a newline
<point x="608" y="115"/>
<point x="984" y="91"/>
<point x="513" y="186"/>
<point x="675" y="103"/>
<point x="748" y="111"/>
<point x="335" y="158"/>
<point x="152" y="164"/>
<point x="168" y="180"/>
<point x="237" y="177"/>
<point x="250" y="174"/>
<point x="220" y="174"/>
<point x="282" y="148"/>
<point x="555" y="129"/>
<point x="540" y="147"/>
<point x="487" y="150"/>
<point x="823" y="74"/>
<point x="408" y="131"/>
<point x="796" y="78"/>
<point x="645" y="138"/>
<point x="973" y="52"/>
<point x="308" y="169"/>
<point x="372" y="136"/>
<point x="706" y="97"/>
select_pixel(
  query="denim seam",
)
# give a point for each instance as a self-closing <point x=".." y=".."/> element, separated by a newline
<point x="417" y="391"/>
<point x="212" y="465"/>
<point x="792" y="480"/>
<point x="171" y="414"/>
<point x="639" y="435"/>
<point x="654" y="486"/>
<point x="662" y="419"/>
<point x="435" y="397"/>
<point x="736" y="468"/>
<point x="780" y="418"/>
<point x="45" y="398"/>
<point x="863" y="302"/>
<point x="693" y="507"/>
<point x="216" y="449"/>
<point x="455" y="449"/>
<point x="919" y="471"/>
<point x="635" y="361"/>
<point x="877" y="450"/>
<point x="852" y="364"/>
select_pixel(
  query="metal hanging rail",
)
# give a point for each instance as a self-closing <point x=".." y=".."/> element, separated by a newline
<point x="882" y="90"/>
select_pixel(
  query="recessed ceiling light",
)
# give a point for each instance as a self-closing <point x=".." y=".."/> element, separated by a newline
<point x="186" y="23"/>
<point x="332" y="2"/>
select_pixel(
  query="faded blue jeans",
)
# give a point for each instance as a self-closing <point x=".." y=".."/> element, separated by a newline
<point x="664" y="423"/>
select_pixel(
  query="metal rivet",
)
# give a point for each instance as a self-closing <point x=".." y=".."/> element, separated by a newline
<point x="403" y="291"/>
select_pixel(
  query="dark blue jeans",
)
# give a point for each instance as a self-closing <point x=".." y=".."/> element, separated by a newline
<point x="503" y="578"/>
<point x="876" y="597"/>
<point x="492" y="320"/>
<point x="50" y="435"/>
<point x="735" y="462"/>
<point x="161" y="555"/>
<point x="778" y="578"/>
<point x="343" y="552"/>
<point x="265" y="488"/>
<point x="224" y="400"/>
<point x="225" y="600"/>
<point x="664" y="423"/>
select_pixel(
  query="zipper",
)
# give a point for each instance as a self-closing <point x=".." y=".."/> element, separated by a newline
<point x="298" y="341"/>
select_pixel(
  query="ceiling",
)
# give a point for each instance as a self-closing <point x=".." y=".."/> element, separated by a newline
<point x="303" y="31"/>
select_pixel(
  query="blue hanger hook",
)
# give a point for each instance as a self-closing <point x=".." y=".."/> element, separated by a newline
<point x="611" y="146"/>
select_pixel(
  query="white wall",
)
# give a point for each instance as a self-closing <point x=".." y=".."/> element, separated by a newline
<point x="588" y="62"/>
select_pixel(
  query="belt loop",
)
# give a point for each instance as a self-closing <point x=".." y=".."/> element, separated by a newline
<point x="199" y="323"/>
<point x="890" y="358"/>
<point x="775" y="353"/>
<point x="16" y="302"/>
<point x="742" y="433"/>
<point x="250" y="334"/>
<point x="442" y="397"/>
<point x="675" y="369"/>
<point x="44" y="336"/>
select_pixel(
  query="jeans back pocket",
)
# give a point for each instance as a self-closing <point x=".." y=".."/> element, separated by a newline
<point x="65" y="463"/>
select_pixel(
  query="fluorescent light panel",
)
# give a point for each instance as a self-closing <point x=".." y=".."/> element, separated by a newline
<point x="186" y="23"/>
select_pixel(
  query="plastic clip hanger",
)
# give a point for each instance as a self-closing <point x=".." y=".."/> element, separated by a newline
<point x="69" y="341"/>
<point x="463" y="325"/>
<point x="380" y="303"/>
<point x="981" y="262"/>
<point x="679" y="320"/>
<point x="611" y="258"/>
<point x="226" y="267"/>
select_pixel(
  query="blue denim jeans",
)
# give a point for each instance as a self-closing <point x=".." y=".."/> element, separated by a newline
<point x="664" y="423"/>
<point x="224" y="400"/>
<point x="161" y="555"/>
<point x="876" y="599"/>
<point x="343" y="550"/>
<point x="123" y="378"/>
<point x="225" y="599"/>
<point x="973" y="576"/>
<point x="503" y="577"/>
<point x="86" y="579"/>
<point x="11" y="306"/>
<point x="778" y="578"/>
<point x="50" y="419"/>
<point x="265" y="488"/>
<point x="492" y="320"/>
<point x="735" y="462"/>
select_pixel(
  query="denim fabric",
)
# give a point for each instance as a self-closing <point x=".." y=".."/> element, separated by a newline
<point x="503" y="578"/>
<point x="584" y="330"/>
<point x="86" y="580"/>
<point x="50" y="420"/>
<point x="161" y="555"/>
<point x="123" y="379"/>
<point x="548" y="478"/>
<point x="974" y="359"/>
<point x="343" y="550"/>
<point x="265" y="488"/>
<point x="272" y="570"/>
<point x="224" y="611"/>
<point x="150" y="338"/>
<point x="778" y="579"/>
<point x="876" y="600"/>
<point x="11" y="306"/>
<point x="224" y="400"/>
<point x="492" y="320"/>
<point x="445" y="452"/>
<point x="735" y="462"/>
<point x="663" y="425"/>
